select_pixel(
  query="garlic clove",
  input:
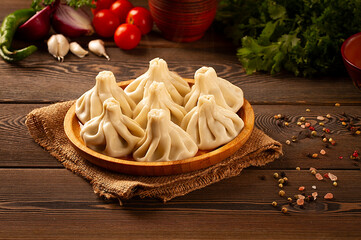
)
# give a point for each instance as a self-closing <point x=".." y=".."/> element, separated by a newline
<point x="58" y="46"/>
<point x="97" y="47"/>
<point x="77" y="50"/>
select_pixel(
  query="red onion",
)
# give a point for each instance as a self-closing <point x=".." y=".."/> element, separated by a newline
<point x="37" y="26"/>
<point x="71" y="22"/>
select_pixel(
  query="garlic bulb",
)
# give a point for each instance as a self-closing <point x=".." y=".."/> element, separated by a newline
<point x="58" y="46"/>
<point x="97" y="47"/>
<point x="77" y="50"/>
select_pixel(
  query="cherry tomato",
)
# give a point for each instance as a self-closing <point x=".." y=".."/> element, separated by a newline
<point x="141" y="18"/>
<point x="105" y="23"/>
<point x="127" y="36"/>
<point x="121" y="8"/>
<point x="101" y="4"/>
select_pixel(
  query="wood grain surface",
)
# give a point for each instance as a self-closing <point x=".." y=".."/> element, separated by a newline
<point x="39" y="199"/>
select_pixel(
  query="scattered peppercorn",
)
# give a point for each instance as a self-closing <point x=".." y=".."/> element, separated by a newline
<point x="288" y="142"/>
<point x="298" y="168"/>
<point x="313" y="172"/>
<point x="324" y="139"/>
<point x="284" y="210"/>
<point x="299" y="123"/>
<point x="280" y="185"/>
<point x="328" y="115"/>
<point x="321" y="124"/>
<point x="289" y="199"/>
<point x="286" y="124"/>
<point x="337" y="104"/>
<point x="308" y="110"/>
<point x="314" y="133"/>
<point x="285" y="179"/>
<point x="334" y="184"/>
<point x="281" y="193"/>
<point x="275" y="175"/>
<point x="302" y="119"/>
<point x="274" y="203"/>
<point x="281" y="180"/>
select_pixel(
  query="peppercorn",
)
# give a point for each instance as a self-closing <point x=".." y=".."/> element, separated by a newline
<point x="314" y="133"/>
<point x="334" y="183"/>
<point x="279" y="115"/>
<point x="281" y="180"/>
<point x="288" y="142"/>
<point x="328" y="115"/>
<point x="315" y="155"/>
<point x="358" y="132"/>
<point x="324" y="139"/>
<point x="321" y="124"/>
<point x="344" y="124"/>
<point x="274" y="203"/>
<point x="299" y="123"/>
<point x="285" y="179"/>
<point x="302" y="119"/>
<point x="313" y="172"/>
<point x="330" y="139"/>
<point x="275" y="175"/>
<point x="289" y="199"/>
<point x="281" y="193"/>
<point x="280" y="185"/>
<point x="286" y="124"/>
<point x="284" y="210"/>
<point x="298" y="168"/>
<point x="337" y="104"/>
<point x="275" y="117"/>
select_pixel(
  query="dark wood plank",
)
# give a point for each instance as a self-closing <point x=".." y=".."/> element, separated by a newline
<point x="18" y="148"/>
<point x="40" y="78"/>
<point x="63" y="206"/>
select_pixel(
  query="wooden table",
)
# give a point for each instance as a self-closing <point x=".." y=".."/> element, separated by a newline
<point x="40" y="199"/>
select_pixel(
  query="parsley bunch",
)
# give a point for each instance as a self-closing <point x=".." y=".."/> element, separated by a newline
<point x="39" y="4"/>
<point x="300" y="36"/>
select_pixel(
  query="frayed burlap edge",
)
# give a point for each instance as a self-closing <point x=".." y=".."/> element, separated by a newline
<point x="45" y="125"/>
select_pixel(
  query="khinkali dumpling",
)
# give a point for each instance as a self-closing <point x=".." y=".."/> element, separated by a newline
<point x="112" y="133"/>
<point x="225" y="93"/>
<point x="164" y="140"/>
<point x="158" y="72"/>
<point x="158" y="97"/>
<point x="90" y="104"/>
<point x="211" y="125"/>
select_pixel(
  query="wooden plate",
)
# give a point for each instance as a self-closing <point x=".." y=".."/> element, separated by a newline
<point x="202" y="159"/>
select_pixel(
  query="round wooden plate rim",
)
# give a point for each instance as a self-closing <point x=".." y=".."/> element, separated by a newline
<point x="213" y="156"/>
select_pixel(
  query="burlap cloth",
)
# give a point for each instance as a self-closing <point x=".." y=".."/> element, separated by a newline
<point x="46" y="127"/>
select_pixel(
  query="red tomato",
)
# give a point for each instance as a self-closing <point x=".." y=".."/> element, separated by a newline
<point x="121" y="8"/>
<point x="101" y="4"/>
<point x="141" y="18"/>
<point x="127" y="36"/>
<point x="105" y="23"/>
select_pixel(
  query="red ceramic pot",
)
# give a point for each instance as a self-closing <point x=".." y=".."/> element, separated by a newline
<point x="351" y="55"/>
<point x="183" y="20"/>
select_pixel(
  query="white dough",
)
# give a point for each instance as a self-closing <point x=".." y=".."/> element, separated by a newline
<point x="158" y="72"/>
<point x="225" y="93"/>
<point x="211" y="125"/>
<point x="157" y="97"/>
<point x="90" y="104"/>
<point x="112" y="133"/>
<point x="164" y="140"/>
